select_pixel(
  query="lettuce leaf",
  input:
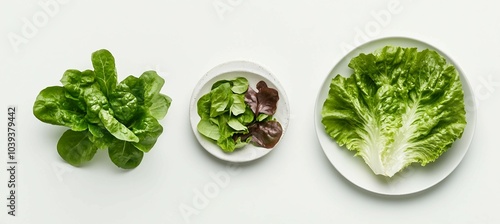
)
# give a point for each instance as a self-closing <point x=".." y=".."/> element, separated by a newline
<point x="399" y="106"/>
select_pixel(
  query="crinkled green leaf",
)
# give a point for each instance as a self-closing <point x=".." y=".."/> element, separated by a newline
<point x="74" y="81"/>
<point x="95" y="101"/>
<point x="226" y="144"/>
<point x="125" y="106"/>
<point x="399" y="107"/>
<point x="51" y="106"/>
<point x="133" y="85"/>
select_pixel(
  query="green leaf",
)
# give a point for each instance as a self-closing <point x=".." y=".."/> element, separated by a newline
<point x="263" y="117"/>
<point x="124" y="155"/>
<point x="124" y="105"/>
<point x="95" y="101"/>
<point x="133" y="85"/>
<point x="147" y="129"/>
<point x="152" y="84"/>
<point x="204" y="105"/>
<point x="240" y="85"/>
<point x="236" y="125"/>
<point x="96" y="130"/>
<point x="225" y="130"/>
<point x="105" y="70"/>
<point x="240" y="144"/>
<point x="51" y="106"/>
<point x="399" y="107"/>
<point x="73" y="81"/>
<point x="238" y="106"/>
<point x="227" y="144"/>
<point x="116" y="128"/>
<point x="102" y="141"/>
<point x="208" y="129"/>
<point x="247" y="117"/>
<point x="75" y="147"/>
<point x="220" y="99"/>
<point x="220" y="82"/>
<point x="159" y="106"/>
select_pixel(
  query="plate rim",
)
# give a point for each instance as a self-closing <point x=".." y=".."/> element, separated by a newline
<point x="471" y="118"/>
<point x="229" y="67"/>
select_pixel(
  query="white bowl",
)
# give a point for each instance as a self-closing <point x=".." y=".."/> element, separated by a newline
<point x="231" y="70"/>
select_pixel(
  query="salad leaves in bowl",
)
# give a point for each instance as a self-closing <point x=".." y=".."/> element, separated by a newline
<point x="399" y="106"/>
<point x="239" y="112"/>
<point x="104" y="114"/>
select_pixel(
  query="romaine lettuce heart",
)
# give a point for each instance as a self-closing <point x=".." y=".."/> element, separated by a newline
<point x="399" y="106"/>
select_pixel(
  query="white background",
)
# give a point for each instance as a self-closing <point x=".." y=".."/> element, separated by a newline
<point x="299" y="42"/>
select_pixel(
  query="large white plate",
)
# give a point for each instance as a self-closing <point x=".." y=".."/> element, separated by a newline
<point x="415" y="178"/>
<point x="254" y="73"/>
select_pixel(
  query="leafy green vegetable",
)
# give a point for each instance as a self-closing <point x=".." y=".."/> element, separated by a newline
<point x="240" y="85"/>
<point x="228" y="120"/>
<point x="105" y="70"/>
<point x="400" y="106"/>
<point x="209" y="129"/>
<point x="124" y="155"/>
<point x="122" y="117"/>
<point x="147" y="129"/>
<point x="220" y="99"/>
<point x="116" y="128"/>
<point x="75" y="147"/>
<point x="51" y="106"/>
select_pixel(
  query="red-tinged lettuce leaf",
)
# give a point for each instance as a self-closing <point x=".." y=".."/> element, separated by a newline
<point x="264" y="134"/>
<point x="265" y="101"/>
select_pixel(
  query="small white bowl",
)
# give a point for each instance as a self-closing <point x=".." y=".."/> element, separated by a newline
<point x="253" y="73"/>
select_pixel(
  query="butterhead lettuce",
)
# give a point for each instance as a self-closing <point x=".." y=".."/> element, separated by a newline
<point x="104" y="114"/>
<point x="399" y="106"/>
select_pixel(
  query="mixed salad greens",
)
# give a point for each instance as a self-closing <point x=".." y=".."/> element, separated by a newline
<point x="102" y="113"/>
<point x="399" y="106"/>
<point x="233" y="115"/>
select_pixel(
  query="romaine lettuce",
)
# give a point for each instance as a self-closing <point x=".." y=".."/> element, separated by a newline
<point x="398" y="107"/>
